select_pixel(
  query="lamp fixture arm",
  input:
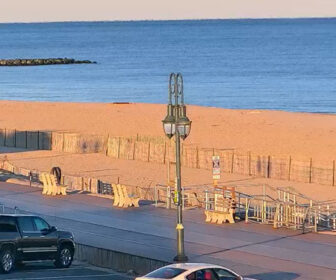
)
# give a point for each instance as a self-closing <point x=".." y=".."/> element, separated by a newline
<point x="179" y="84"/>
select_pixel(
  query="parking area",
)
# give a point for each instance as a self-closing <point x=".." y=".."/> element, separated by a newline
<point x="46" y="270"/>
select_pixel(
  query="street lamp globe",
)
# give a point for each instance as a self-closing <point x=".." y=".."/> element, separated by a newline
<point x="183" y="127"/>
<point x="183" y="123"/>
<point x="169" y="122"/>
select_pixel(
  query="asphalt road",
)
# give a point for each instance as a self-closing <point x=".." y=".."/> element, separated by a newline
<point x="78" y="271"/>
<point x="253" y="250"/>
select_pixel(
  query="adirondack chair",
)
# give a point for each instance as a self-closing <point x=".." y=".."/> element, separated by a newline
<point x="59" y="189"/>
<point x="46" y="186"/>
<point x="116" y="195"/>
<point x="130" y="199"/>
<point x="123" y="200"/>
<point x="52" y="189"/>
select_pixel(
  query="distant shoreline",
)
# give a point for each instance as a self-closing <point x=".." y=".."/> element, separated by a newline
<point x="171" y="20"/>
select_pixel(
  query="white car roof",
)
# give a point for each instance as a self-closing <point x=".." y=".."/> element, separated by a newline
<point x="192" y="266"/>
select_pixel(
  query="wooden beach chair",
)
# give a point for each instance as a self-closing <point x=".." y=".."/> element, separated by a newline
<point x="130" y="199"/>
<point x="116" y="195"/>
<point x="58" y="189"/>
<point x="52" y="189"/>
<point x="124" y="201"/>
<point x="46" y="186"/>
<point x="208" y="216"/>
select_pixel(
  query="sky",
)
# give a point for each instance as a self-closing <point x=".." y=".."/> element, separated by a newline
<point x="99" y="10"/>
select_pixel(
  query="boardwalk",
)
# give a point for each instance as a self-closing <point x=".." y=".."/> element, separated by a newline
<point x="250" y="249"/>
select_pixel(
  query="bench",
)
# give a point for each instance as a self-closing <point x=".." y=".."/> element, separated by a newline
<point x="50" y="186"/>
<point x="122" y="198"/>
<point x="59" y="189"/>
<point x="130" y="199"/>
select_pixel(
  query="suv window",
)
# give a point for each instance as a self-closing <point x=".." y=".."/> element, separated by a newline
<point x="165" y="273"/>
<point x="40" y="224"/>
<point x="26" y="224"/>
<point x="7" y="224"/>
<point x="225" y="275"/>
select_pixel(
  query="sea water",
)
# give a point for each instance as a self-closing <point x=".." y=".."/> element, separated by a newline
<point x="278" y="64"/>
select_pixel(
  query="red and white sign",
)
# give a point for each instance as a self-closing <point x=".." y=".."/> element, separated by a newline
<point x="215" y="168"/>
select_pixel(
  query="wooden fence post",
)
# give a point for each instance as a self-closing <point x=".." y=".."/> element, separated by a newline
<point x="232" y="161"/>
<point x="107" y="144"/>
<point x="197" y="158"/>
<point x="310" y="170"/>
<point x="269" y="167"/>
<point x="63" y="142"/>
<point x="134" y="147"/>
<point x="289" y="168"/>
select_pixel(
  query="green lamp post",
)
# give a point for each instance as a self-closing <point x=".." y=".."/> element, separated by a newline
<point x="177" y="123"/>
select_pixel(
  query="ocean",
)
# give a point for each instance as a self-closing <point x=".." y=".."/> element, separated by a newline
<point x="277" y="64"/>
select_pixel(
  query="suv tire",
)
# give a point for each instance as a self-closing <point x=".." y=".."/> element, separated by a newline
<point x="64" y="257"/>
<point x="7" y="260"/>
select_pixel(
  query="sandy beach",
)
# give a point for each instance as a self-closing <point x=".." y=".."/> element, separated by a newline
<point x="278" y="133"/>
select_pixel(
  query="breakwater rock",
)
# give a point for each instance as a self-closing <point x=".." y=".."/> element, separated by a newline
<point x="42" y="61"/>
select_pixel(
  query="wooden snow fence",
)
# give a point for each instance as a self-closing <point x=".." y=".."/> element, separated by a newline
<point x="162" y="150"/>
<point x="78" y="143"/>
<point x="35" y="140"/>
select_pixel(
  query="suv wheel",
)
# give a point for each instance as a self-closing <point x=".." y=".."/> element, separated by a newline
<point x="64" y="257"/>
<point x="7" y="260"/>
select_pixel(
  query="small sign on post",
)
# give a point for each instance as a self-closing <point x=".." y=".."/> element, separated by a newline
<point x="215" y="169"/>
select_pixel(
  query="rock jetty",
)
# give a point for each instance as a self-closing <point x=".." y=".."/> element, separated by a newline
<point x="42" y="61"/>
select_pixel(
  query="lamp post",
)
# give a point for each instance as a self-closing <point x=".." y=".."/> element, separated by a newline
<point x="177" y="123"/>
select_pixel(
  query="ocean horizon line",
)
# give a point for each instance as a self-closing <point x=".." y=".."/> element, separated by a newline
<point x="172" y="20"/>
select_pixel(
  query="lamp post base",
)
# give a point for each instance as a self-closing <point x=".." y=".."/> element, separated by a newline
<point x="179" y="258"/>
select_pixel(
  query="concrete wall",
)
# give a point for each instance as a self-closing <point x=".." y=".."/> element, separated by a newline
<point x="116" y="260"/>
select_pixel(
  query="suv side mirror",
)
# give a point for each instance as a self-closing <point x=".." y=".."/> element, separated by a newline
<point x="48" y="230"/>
<point x="52" y="229"/>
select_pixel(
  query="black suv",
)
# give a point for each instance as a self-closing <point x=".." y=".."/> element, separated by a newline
<point x="30" y="238"/>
